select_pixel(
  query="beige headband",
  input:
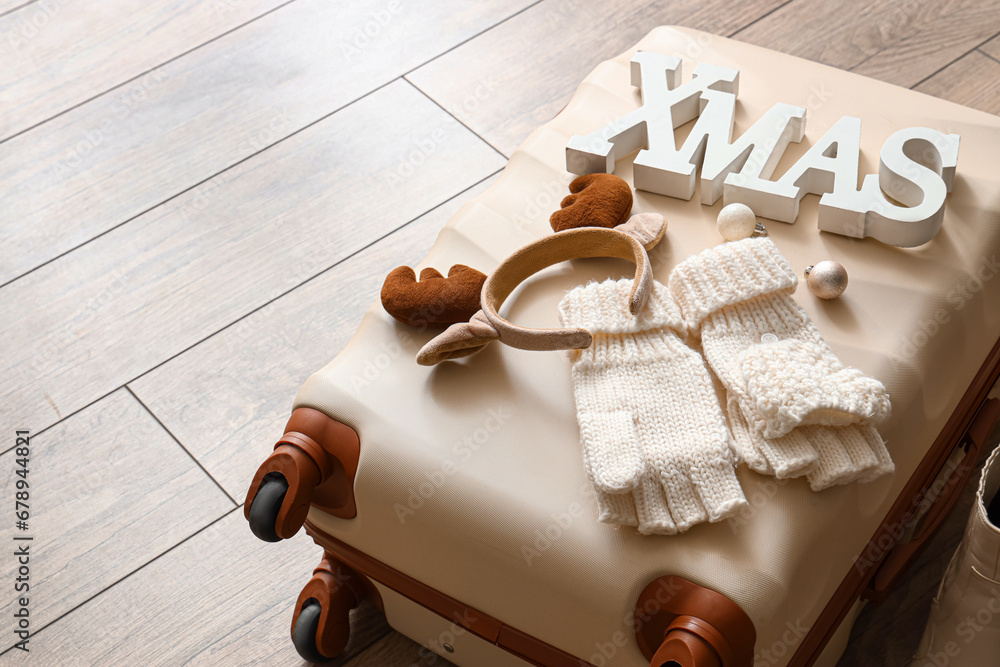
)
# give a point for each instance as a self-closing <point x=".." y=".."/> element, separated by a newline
<point x="629" y="241"/>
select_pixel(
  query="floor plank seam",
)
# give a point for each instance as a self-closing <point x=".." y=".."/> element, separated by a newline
<point x="862" y="61"/>
<point x="65" y="417"/>
<point x="760" y="18"/>
<point x="222" y="171"/>
<point x="465" y="41"/>
<point x="144" y="73"/>
<point x="994" y="59"/>
<point x="941" y="69"/>
<point x="199" y="183"/>
<point x="181" y="445"/>
<point x="126" y="576"/>
<point x="456" y="118"/>
<point x="314" y="276"/>
<point x="263" y="305"/>
<point x="18" y="8"/>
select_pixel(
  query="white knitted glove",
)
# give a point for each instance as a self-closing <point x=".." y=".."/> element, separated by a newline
<point x="655" y="444"/>
<point x="794" y="408"/>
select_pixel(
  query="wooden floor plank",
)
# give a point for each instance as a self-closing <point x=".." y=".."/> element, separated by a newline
<point x="508" y="81"/>
<point x="59" y="54"/>
<point x="949" y="31"/>
<point x="109" y="491"/>
<point x="253" y="369"/>
<point x="902" y="41"/>
<point x="109" y="311"/>
<point x="123" y="153"/>
<point x="973" y="81"/>
<point x="221" y="598"/>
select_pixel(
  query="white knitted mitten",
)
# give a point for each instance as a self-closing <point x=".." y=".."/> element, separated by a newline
<point x="655" y="444"/>
<point x="794" y="408"/>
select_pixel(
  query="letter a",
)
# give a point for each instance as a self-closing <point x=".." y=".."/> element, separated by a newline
<point x="830" y="165"/>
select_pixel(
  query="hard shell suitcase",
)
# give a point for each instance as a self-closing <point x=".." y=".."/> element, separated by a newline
<point x="456" y="498"/>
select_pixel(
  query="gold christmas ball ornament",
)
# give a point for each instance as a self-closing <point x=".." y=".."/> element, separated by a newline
<point x="736" y="221"/>
<point x="826" y="279"/>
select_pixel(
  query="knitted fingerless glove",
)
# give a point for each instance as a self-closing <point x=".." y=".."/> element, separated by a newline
<point x="655" y="443"/>
<point x="783" y="380"/>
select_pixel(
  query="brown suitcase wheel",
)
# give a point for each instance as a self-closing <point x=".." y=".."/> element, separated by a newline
<point x="304" y="633"/>
<point x="313" y="464"/>
<point x="266" y="505"/>
<point x="681" y="624"/>
<point x="321" y="625"/>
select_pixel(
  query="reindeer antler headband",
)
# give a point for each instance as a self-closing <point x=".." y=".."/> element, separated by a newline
<point x="629" y="241"/>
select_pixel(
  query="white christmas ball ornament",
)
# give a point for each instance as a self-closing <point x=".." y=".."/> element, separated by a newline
<point x="826" y="279"/>
<point x="736" y="221"/>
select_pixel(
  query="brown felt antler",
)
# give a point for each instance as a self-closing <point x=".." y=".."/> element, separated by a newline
<point x="434" y="300"/>
<point x="598" y="200"/>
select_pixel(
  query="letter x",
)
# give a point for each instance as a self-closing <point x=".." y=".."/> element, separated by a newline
<point x="665" y="106"/>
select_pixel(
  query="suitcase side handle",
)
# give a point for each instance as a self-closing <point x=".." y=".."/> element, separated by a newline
<point x="934" y="504"/>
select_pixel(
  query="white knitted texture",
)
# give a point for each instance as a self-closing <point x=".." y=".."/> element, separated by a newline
<point x="654" y="439"/>
<point x="728" y="274"/>
<point x="794" y="408"/>
<point x="603" y="308"/>
<point x="792" y="382"/>
<point x="826" y="456"/>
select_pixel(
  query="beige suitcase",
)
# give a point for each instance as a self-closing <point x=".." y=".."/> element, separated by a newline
<point x="456" y="496"/>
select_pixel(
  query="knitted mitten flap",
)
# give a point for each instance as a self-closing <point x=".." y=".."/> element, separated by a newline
<point x="728" y="274"/>
<point x="792" y="382"/>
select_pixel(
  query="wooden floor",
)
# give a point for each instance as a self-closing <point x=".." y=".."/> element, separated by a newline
<point x="197" y="205"/>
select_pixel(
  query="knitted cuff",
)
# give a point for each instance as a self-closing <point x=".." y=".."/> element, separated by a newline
<point x="603" y="308"/>
<point x="728" y="274"/>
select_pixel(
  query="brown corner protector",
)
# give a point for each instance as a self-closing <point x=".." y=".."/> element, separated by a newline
<point x="340" y="450"/>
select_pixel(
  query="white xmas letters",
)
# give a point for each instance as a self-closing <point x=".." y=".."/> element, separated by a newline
<point x="917" y="165"/>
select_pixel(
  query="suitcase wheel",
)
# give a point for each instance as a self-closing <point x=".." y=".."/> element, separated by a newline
<point x="681" y="623"/>
<point x="321" y="624"/>
<point x="266" y="505"/>
<point x="312" y="465"/>
<point x="304" y="632"/>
